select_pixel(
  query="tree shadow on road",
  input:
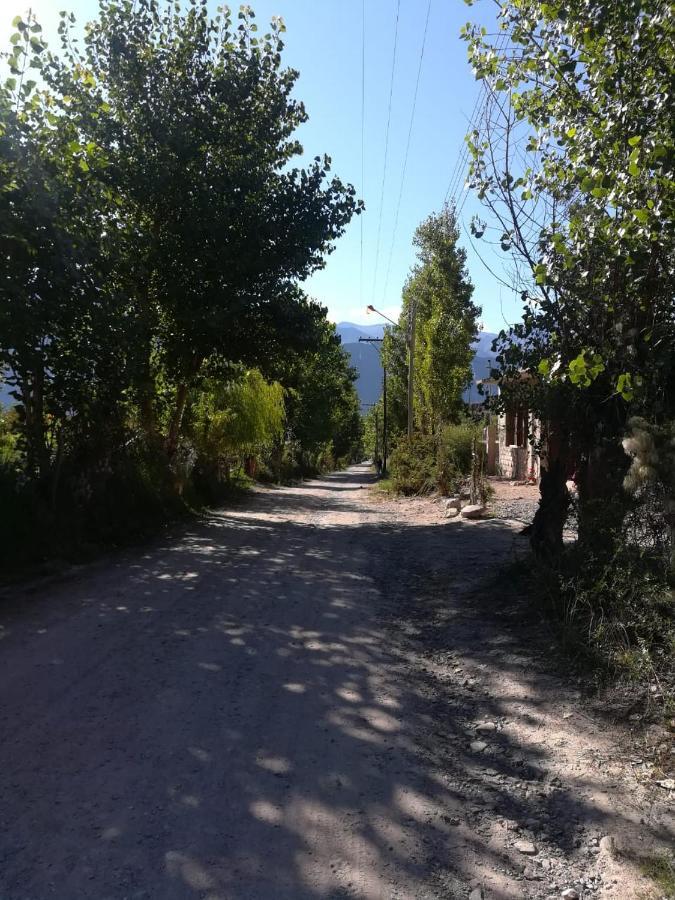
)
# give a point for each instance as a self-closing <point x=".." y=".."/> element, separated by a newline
<point x="251" y="715"/>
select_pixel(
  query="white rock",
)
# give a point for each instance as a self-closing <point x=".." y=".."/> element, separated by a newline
<point x="474" y="511"/>
<point x="478" y="746"/>
<point x="453" y="503"/>
<point x="526" y="847"/>
<point x="570" y="894"/>
<point x="486" y="726"/>
<point x="476" y="894"/>
<point x="607" y="843"/>
<point x="451" y="513"/>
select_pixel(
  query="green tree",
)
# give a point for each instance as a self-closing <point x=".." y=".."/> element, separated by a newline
<point x="233" y="420"/>
<point x="63" y="332"/>
<point x="196" y="118"/>
<point x="323" y="415"/>
<point x="154" y="229"/>
<point x="574" y="159"/>
<point x="440" y="291"/>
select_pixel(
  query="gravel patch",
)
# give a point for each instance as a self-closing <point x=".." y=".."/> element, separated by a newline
<point x="518" y="510"/>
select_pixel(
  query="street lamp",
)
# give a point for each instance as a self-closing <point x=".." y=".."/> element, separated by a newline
<point x="370" y="308"/>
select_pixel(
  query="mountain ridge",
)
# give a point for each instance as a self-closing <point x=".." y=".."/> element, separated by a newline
<point x="367" y="364"/>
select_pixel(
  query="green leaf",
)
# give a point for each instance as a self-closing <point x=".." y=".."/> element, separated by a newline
<point x="635" y="140"/>
<point x="544" y="367"/>
<point x="624" y="386"/>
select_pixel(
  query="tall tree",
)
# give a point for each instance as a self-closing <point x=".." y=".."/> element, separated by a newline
<point x="63" y="329"/>
<point x="574" y="159"/>
<point x="196" y="119"/>
<point x="440" y="290"/>
<point x="322" y="403"/>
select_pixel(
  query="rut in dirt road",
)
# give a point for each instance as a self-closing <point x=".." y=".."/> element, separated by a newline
<point x="241" y="714"/>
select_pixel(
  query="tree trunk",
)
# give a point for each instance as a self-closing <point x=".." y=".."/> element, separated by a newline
<point x="32" y="397"/>
<point x="602" y="500"/>
<point x="670" y="522"/>
<point x="146" y="401"/>
<point x="176" y="419"/>
<point x="58" y="465"/>
<point x="549" y="521"/>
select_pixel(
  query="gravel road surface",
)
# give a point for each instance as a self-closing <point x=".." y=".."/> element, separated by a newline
<point x="300" y="698"/>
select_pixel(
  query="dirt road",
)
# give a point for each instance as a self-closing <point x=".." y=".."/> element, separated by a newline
<point x="304" y="698"/>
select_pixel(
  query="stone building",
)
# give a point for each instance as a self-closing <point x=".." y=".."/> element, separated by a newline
<point x="509" y="443"/>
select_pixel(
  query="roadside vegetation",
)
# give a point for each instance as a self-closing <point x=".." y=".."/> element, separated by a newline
<point x="574" y="162"/>
<point x="154" y="231"/>
<point x="573" y="159"/>
<point x="446" y="441"/>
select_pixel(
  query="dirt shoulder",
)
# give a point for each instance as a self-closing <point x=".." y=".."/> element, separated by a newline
<point x="553" y="792"/>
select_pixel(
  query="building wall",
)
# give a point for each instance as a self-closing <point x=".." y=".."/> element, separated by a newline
<point x="516" y="457"/>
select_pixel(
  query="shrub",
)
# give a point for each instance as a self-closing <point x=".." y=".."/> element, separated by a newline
<point x="623" y="608"/>
<point x="455" y="455"/>
<point x="413" y="466"/>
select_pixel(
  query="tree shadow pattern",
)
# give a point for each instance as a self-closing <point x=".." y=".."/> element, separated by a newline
<point x="245" y="714"/>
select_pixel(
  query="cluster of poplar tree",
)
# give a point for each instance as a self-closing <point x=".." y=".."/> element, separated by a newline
<point x="154" y="231"/>
<point x="429" y="428"/>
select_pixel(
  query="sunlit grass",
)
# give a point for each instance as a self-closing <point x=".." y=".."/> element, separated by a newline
<point x="661" y="870"/>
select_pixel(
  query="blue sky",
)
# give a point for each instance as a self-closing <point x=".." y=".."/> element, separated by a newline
<point x="323" y="41"/>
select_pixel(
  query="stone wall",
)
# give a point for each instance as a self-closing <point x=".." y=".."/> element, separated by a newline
<point x="514" y="462"/>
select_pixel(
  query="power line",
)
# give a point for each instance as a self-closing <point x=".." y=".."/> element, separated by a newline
<point x="463" y="154"/>
<point x="407" y="148"/>
<point x="386" y="148"/>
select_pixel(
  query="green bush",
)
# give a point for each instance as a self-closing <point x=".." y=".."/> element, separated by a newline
<point x="455" y="455"/>
<point x="623" y="608"/>
<point x="412" y="466"/>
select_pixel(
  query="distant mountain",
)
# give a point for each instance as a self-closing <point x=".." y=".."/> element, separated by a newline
<point x="483" y="343"/>
<point x="350" y="333"/>
<point x="366" y="361"/>
<point x="480" y="365"/>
